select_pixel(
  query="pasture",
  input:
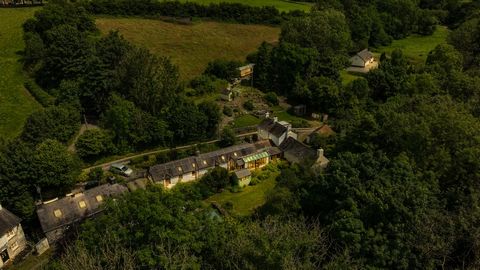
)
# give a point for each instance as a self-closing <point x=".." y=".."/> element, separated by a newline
<point x="416" y="47"/>
<point x="281" y="5"/>
<point x="16" y="103"/>
<point x="192" y="46"/>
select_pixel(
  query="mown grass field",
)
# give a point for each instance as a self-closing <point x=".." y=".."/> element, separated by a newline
<point x="282" y="5"/>
<point x="191" y="47"/>
<point x="16" y="104"/>
<point x="417" y="47"/>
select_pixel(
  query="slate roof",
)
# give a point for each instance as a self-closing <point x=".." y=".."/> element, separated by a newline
<point x="365" y="55"/>
<point x="242" y="173"/>
<point x="297" y="149"/>
<point x="273" y="127"/>
<point x="70" y="206"/>
<point x="8" y="221"/>
<point x="204" y="161"/>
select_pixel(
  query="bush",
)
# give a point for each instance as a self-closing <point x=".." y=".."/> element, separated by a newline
<point x="271" y="98"/>
<point x="39" y="94"/>
<point x="227" y="138"/>
<point x="203" y="84"/>
<point x="227" y="111"/>
<point x="94" y="143"/>
<point x="223" y="69"/>
<point x="248" y="105"/>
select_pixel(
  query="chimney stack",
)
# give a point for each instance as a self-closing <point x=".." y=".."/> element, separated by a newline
<point x="319" y="153"/>
<point x="275" y="119"/>
<point x="0" y="206"/>
<point x="267" y="115"/>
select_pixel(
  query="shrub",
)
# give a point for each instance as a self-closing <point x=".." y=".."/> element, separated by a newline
<point x="248" y="105"/>
<point x="39" y="94"/>
<point x="227" y="111"/>
<point x="94" y="143"/>
<point x="271" y="98"/>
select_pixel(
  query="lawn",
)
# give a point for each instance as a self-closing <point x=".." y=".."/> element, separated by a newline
<point x="348" y="77"/>
<point x="251" y="197"/>
<point x="191" y="47"/>
<point x="16" y="103"/>
<point x="246" y="120"/>
<point x="416" y="47"/>
<point x="281" y="5"/>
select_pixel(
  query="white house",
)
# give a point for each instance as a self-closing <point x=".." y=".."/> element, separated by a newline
<point x="12" y="238"/>
<point x="362" y="59"/>
<point x="274" y="130"/>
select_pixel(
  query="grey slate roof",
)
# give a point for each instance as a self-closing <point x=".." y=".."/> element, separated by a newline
<point x="273" y="127"/>
<point x="242" y="173"/>
<point x="365" y="55"/>
<point x="297" y="149"/>
<point x="70" y="206"/>
<point x="8" y="221"/>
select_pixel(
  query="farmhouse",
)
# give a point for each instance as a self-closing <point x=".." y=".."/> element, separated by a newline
<point x="12" y="238"/>
<point x="272" y="129"/>
<point x="58" y="215"/>
<point x="362" y="59"/>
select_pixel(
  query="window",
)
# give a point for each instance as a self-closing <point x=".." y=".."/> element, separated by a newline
<point x="193" y="165"/>
<point x="223" y="158"/>
<point x="179" y="169"/>
<point x="99" y="198"/>
<point x="205" y="162"/>
<point x="235" y="154"/>
<point x="57" y="213"/>
<point x="193" y="173"/>
<point x="11" y="233"/>
<point x="14" y="245"/>
<point x="82" y="204"/>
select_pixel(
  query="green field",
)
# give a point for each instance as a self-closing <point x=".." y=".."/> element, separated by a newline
<point x="191" y="47"/>
<point x="16" y="104"/>
<point x="281" y="5"/>
<point x="251" y="197"/>
<point x="246" y="120"/>
<point x="416" y="47"/>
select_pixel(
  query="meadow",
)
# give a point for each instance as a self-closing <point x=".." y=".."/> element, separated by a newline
<point x="16" y="103"/>
<point x="281" y="5"/>
<point x="416" y="47"/>
<point x="192" y="46"/>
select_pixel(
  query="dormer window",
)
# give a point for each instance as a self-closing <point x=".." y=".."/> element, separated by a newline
<point x="99" y="198"/>
<point x="57" y="213"/>
<point x="193" y="165"/>
<point x="179" y="169"/>
<point x="205" y="162"/>
<point x="223" y="158"/>
<point x="82" y="204"/>
<point x="235" y="154"/>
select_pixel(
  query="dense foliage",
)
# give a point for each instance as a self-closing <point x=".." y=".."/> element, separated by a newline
<point x="402" y="189"/>
<point x="233" y="12"/>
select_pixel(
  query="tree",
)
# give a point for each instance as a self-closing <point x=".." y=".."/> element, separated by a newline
<point x="223" y="69"/>
<point x="151" y="82"/>
<point x="16" y="178"/>
<point x="56" y="122"/>
<point x="445" y="59"/>
<point x="326" y="31"/>
<point x="216" y="179"/>
<point x="132" y="127"/>
<point x="94" y="143"/>
<point x="466" y="40"/>
<point x="212" y="114"/>
<point x="56" y="170"/>
<point x="227" y="138"/>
